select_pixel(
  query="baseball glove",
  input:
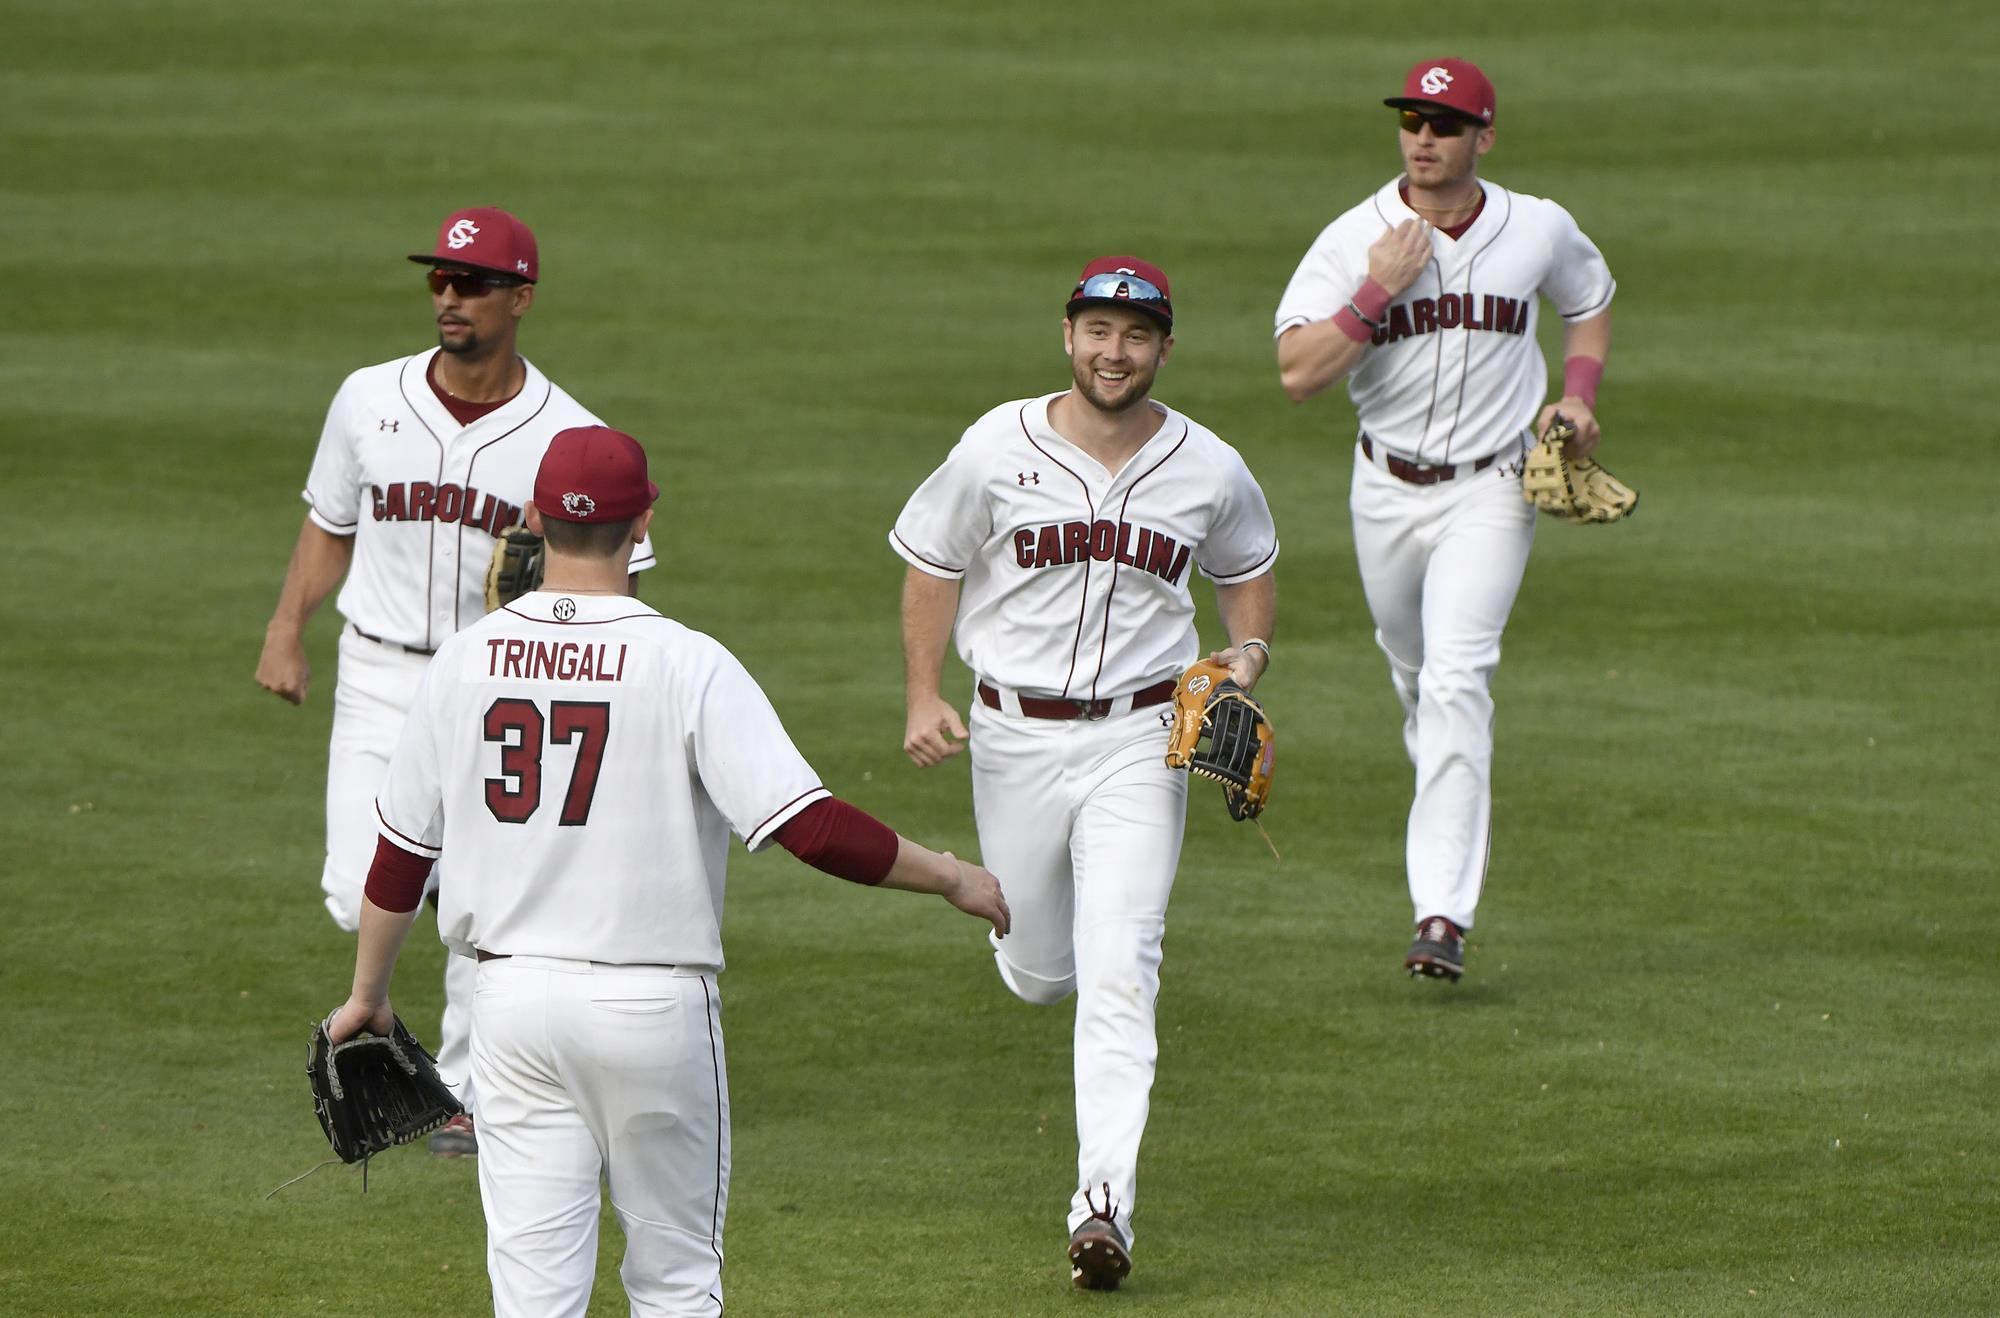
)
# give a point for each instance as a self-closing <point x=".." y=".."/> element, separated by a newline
<point x="516" y="568"/>
<point x="1219" y="732"/>
<point x="1572" y="489"/>
<point x="372" y="1092"/>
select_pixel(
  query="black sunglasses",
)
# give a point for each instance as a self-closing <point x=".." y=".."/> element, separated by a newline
<point x="1442" y="125"/>
<point x="468" y="283"/>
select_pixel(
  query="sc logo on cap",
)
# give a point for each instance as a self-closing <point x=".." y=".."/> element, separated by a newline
<point x="1436" y="79"/>
<point x="461" y="235"/>
<point x="578" y="505"/>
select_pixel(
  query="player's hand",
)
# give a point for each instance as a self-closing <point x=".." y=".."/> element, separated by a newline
<point x="1245" y="666"/>
<point x="1400" y="255"/>
<point x="282" y="668"/>
<point x="1577" y="413"/>
<point x="977" y="892"/>
<point x="357" y="1017"/>
<point x="927" y="739"/>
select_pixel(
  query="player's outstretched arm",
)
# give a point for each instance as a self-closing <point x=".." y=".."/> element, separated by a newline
<point x="319" y="560"/>
<point x="849" y="843"/>
<point x="971" y="888"/>
<point x="930" y="605"/>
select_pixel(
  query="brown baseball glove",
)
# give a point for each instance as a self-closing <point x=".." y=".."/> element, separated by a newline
<point x="1572" y="489"/>
<point x="1219" y="732"/>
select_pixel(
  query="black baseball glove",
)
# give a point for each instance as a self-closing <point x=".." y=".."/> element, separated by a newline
<point x="371" y="1092"/>
<point x="516" y="568"/>
<point x="1219" y="732"/>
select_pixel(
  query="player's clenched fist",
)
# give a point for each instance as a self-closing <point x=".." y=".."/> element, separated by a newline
<point x="1399" y="255"/>
<point x="282" y="668"/>
<point x="1577" y="413"/>
<point x="929" y="736"/>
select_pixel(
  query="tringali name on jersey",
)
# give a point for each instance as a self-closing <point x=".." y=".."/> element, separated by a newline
<point x="561" y="661"/>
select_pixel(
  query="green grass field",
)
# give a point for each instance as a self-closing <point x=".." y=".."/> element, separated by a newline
<point x="1725" y="1045"/>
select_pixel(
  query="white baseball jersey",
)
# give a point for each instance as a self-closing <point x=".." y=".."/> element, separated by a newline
<point x="1455" y="374"/>
<point x="424" y="496"/>
<point x="1077" y="580"/>
<point x="581" y="761"/>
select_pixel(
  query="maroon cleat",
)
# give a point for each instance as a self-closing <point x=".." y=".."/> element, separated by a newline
<point x="1439" y="950"/>
<point x="455" y="1139"/>
<point x="1098" y="1256"/>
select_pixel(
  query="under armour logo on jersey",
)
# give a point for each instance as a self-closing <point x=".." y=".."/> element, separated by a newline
<point x="1436" y="79"/>
<point x="461" y="235"/>
<point x="390" y="425"/>
<point x="1028" y="477"/>
<point x="565" y="609"/>
<point x="578" y="505"/>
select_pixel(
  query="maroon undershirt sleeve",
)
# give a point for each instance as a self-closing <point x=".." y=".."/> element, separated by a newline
<point x="845" y="841"/>
<point x="396" y="879"/>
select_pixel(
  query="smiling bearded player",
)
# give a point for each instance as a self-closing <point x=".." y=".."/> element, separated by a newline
<point x="1057" y="543"/>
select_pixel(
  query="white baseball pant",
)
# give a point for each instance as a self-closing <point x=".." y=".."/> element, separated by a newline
<point x="1441" y="565"/>
<point x="587" y="1070"/>
<point x="1082" y="821"/>
<point x="375" y="687"/>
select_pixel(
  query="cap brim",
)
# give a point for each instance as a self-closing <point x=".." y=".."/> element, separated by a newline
<point x="1165" y="318"/>
<point x="1419" y="103"/>
<point x="428" y="258"/>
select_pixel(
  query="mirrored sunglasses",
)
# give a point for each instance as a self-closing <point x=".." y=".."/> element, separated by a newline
<point x="1120" y="288"/>
<point x="1442" y="125"/>
<point x="467" y="283"/>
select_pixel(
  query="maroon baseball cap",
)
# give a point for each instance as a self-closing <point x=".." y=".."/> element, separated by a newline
<point x="1453" y="84"/>
<point x="485" y="238"/>
<point x="593" y="474"/>
<point x="1125" y="281"/>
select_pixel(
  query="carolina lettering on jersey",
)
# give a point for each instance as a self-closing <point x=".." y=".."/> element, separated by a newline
<point x="561" y="661"/>
<point x="1472" y="311"/>
<point x="423" y="501"/>
<point x="1103" y="540"/>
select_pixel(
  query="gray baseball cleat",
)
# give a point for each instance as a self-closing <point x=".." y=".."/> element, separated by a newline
<point x="1439" y="950"/>
<point x="1098" y="1256"/>
<point x="455" y="1138"/>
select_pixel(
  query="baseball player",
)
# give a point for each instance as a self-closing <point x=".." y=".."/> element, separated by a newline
<point x="581" y="761"/>
<point x="1425" y="298"/>
<point x="1057" y="543"/>
<point x="423" y="461"/>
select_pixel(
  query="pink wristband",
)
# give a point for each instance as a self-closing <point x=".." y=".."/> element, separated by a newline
<point x="1372" y="301"/>
<point x="1364" y="312"/>
<point x="1581" y="376"/>
<point x="1352" y="325"/>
